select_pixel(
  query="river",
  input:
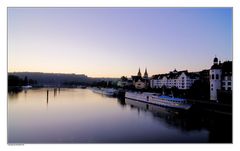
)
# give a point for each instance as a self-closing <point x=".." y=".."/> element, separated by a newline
<point x="82" y="116"/>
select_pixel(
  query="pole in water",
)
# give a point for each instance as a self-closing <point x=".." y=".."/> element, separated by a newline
<point x="55" y="92"/>
<point x="47" y="96"/>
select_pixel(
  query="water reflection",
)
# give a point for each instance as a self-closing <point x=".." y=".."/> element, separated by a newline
<point x="81" y="116"/>
<point x="121" y="101"/>
<point x="55" y="92"/>
<point x="13" y="95"/>
<point x="218" y="125"/>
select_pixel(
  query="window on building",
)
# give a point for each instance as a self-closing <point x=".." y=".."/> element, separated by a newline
<point x="229" y="83"/>
<point x="211" y="85"/>
<point x="217" y="76"/>
<point x="223" y="83"/>
<point x="229" y="88"/>
<point x="212" y="76"/>
<point x="211" y="89"/>
<point x="229" y="78"/>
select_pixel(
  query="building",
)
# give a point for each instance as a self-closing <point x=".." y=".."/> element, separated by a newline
<point x="124" y="82"/>
<point x="227" y="76"/>
<point x="204" y="75"/>
<point x="220" y="78"/>
<point x="179" y="79"/>
<point x="140" y="82"/>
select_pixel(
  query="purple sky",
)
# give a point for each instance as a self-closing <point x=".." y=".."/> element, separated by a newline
<point x="111" y="42"/>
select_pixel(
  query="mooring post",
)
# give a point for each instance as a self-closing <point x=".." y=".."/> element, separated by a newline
<point x="55" y="91"/>
<point x="47" y="96"/>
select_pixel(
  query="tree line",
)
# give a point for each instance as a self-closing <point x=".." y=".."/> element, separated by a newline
<point x="14" y="80"/>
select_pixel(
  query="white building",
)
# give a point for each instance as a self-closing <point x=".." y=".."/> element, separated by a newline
<point x="220" y="78"/>
<point x="179" y="79"/>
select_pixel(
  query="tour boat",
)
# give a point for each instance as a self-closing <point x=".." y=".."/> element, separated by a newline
<point x="157" y="99"/>
<point x="105" y="91"/>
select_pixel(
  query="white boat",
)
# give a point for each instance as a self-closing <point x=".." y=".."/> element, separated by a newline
<point x="157" y="99"/>
<point x="105" y="91"/>
<point x="97" y="90"/>
<point x="109" y="91"/>
<point x="82" y="86"/>
<point x="27" y="87"/>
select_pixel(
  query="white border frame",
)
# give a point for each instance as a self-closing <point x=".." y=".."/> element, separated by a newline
<point x="120" y="3"/>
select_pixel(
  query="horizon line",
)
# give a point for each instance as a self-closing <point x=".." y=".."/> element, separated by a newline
<point x="93" y="76"/>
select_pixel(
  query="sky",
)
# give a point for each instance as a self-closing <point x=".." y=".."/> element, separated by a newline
<point x="115" y="42"/>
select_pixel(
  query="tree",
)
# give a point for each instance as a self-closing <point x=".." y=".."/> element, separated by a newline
<point x="14" y="81"/>
<point x="123" y="78"/>
<point x="25" y="81"/>
<point x="199" y="90"/>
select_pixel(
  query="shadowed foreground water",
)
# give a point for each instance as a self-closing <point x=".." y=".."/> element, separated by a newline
<point x="82" y="116"/>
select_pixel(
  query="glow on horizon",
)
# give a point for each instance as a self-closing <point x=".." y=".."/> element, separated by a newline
<point x="112" y="42"/>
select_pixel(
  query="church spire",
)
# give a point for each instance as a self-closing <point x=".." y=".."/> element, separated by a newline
<point x="145" y="73"/>
<point x="139" y="73"/>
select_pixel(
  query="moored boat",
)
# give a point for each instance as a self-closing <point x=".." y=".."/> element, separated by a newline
<point x="82" y="87"/>
<point x="27" y="87"/>
<point x="105" y="91"/>
<point x="157" y="99"/>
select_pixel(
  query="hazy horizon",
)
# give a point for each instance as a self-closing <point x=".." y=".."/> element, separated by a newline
<point x="115" y="42"/>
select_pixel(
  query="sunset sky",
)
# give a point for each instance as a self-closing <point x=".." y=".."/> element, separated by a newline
<point x="111" y="42"/>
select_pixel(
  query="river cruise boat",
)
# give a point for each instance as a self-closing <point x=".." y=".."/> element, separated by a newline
<point x="105" y="91"/>
<point x="162" y="100"/>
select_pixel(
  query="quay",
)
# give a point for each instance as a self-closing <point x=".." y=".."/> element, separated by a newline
<point x="211" y="106"/>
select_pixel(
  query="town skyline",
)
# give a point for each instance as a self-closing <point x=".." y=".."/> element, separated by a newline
<point x="102" y="42"/>
<point x="142" y="70"/>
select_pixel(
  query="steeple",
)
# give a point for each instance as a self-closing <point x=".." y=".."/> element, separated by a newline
<point x="145" y="73"/>
<point x="139" y="73"/>
<point x="215" y="60"/>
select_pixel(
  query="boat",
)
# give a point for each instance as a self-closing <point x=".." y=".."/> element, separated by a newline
<point x="109" y="91"/>
<point x="105" y="91"/>
<point x="27" y="87"/>
<point x="157" y="99"/>
<point x="97" y="90"/>
<point x="82" y="86"/>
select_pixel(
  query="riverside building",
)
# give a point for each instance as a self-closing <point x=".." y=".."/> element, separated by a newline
<point x="220" y="78"/>
<point x="180" y="79"/>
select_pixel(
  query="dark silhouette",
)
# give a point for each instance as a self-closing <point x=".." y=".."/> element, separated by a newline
<point x="199" y="90"/>
<point x="15" y="81"/>
<point x="47" y="96"/>
<point x="59" y="79"/>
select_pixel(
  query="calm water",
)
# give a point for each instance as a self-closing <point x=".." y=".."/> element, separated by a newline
<point x="82" y="116"/>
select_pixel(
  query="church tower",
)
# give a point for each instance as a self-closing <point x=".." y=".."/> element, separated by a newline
<point x="215" y="79"/>
<point x="145" y="74"/>
<point x="139" y="73"/>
